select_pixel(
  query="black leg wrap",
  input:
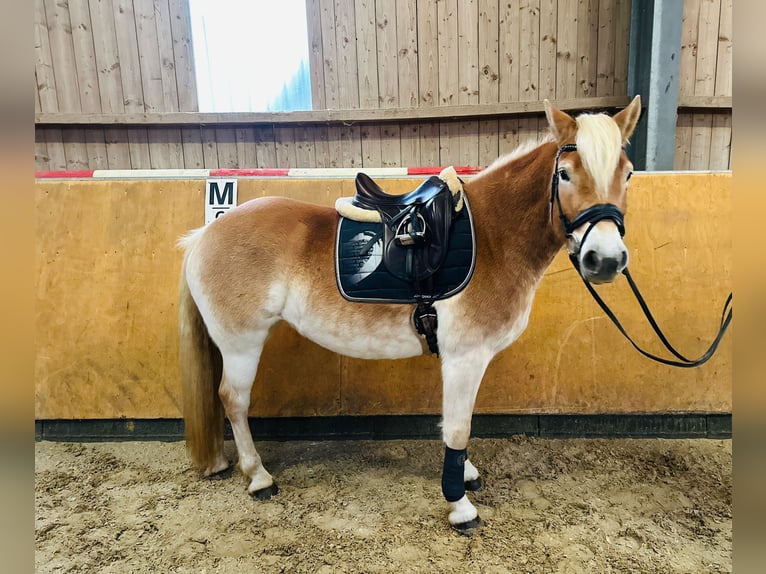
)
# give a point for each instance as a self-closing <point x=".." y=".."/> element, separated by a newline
<point x="453" y="485"/>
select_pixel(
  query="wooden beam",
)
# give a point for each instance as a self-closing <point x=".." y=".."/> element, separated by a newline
<point x="344" y="117"/>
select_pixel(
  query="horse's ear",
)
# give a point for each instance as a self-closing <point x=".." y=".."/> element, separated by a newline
<point x="628" y="118"/>
<point x="563" y="126"/>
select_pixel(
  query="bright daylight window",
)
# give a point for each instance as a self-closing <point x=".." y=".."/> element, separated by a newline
<point x="251" y="55"/>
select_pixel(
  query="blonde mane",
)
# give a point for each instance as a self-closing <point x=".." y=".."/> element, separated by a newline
<point x="599" y="144"/>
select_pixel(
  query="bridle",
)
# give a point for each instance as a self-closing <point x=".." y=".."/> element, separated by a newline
<point x="609" y="211"/>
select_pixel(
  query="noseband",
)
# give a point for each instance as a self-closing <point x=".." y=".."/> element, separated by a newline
<point x="609" y="211"/>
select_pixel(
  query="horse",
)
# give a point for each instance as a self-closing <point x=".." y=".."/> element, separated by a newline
<point x="569" y="189"/>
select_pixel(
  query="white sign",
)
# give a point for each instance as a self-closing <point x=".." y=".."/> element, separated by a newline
<point x="220" y="197"/>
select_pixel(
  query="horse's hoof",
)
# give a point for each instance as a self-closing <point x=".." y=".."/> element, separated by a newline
<point x="221" y="474"/>
<point x="265" y="493"/>
<point x="473" y="485"/>
<point x="467" y="528"/>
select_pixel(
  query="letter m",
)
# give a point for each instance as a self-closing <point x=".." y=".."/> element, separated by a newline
<point x="218" y="198"/>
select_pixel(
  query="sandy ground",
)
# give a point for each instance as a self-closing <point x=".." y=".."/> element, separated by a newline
<point x="553" y="506"/>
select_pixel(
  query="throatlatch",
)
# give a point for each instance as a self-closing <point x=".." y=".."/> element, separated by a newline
<point x="453" y="482"/>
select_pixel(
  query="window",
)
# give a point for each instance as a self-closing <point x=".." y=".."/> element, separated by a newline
<point x="251" y="55"/>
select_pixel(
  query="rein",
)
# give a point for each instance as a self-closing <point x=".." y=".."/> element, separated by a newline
<point x="610" y="211"/>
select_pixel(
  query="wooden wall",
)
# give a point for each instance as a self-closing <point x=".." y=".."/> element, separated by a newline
<point x="97" y="58"/>
<point x="703" y="139"/>
<point x="106" y="280"/>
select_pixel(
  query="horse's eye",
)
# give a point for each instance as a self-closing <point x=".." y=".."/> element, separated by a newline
<point x="563" y="175"/>
<point x="630" y="174"/>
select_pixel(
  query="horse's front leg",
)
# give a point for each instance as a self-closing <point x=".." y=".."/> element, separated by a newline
<point x="461" y="377"/>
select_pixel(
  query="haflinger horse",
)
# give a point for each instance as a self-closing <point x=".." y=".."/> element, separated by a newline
<point x="563" y="191"/>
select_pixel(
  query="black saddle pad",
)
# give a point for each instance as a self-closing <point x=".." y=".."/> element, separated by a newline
<point x="362" y="276"/>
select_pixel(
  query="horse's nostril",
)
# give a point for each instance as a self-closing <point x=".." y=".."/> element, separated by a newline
<point x="591" y="261"/>
<point x="624" y="260"/>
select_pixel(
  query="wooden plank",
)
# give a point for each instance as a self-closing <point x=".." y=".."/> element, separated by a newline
<point x="345" y="43"/>
<point x="322" y="147"/>
<point x="148" y="56"/>
<point x="246" y="154"/>
<point x="407" y="48"/>
<point x="75" y="148"/>
<point x="468" y="77"/>
<point x="688" y="57"/>
<point x="165" y="148"/>
<point x="53" y="139"/>
<point x="566" y="49"/>
<point x="508" y="131"/>
<point x="606" y="42"/>
<point x="388" y="79"/>
<point x="509" y="48"/>
<point x="449" y="80"/>
<point x="180" y="25"/>
<point x="265" y="149"/>
<point x="587" y="47"/>
<point x="107" y="58"/>
<point x="707" y="47"/>
<point x="95" y="142"/>
<point x="63" y="58"/>
<point x="42" y="161"/>
<point x="138" y="144"/>
<point x="345" y="117"/>
<point x="329" y="54"/>
<point x="226" y="147"/>
<point x="117" y="149"/>
<point x="366" y="53"/>
<point x="316" y="56"/>
<point x="209" y="148"/>
<point x="682" y="158"/>
<point x="489" y="76"/>
<point x="428" y="76"/>
<point x="409" y="135"/>
<point x="152" y="82"/>
<point x="85" y="56"/>
<point x="720" y="142"/>
<point x="529" y="51"/>
<point x="723" y="69"/>
<point x="164" y="32"/>
<point x="390" y="146"/>
<point x="284" y="139"/>
<point x="704" y="81"/>
<point x="351" y="146"/>
<point x="44" y="77"/>
<point x="305" y="148"/>
<point x="191" y="142"/>
<point x="130" y="60"/>
<point x="67" y="86"/>
<point x="621" y="48"/>
<point x="371" y="154"/>
<point x="334" y="147"/>
<point x="546" y="87"/>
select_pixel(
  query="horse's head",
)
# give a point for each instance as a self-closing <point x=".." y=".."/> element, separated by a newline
<point x="589" y="188"/>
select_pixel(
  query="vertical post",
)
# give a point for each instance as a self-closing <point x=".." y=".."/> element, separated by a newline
<point x="653" y="70"/>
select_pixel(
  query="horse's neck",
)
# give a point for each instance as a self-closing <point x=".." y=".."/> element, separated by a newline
<point x="511" y="203"/>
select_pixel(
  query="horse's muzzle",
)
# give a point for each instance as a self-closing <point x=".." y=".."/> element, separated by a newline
<point x="602" y="269"/>
<point x="602" y="255"/>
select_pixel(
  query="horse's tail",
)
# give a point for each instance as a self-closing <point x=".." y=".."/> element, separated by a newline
<point x="201" y="366"/>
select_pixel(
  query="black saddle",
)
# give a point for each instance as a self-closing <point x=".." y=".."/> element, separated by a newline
<point x="416" y="226"/>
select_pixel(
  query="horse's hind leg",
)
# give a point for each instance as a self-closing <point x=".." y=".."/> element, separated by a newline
<point x="239" y="371"/>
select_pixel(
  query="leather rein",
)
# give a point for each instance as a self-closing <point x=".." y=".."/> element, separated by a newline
<point x="593" y="215"/>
